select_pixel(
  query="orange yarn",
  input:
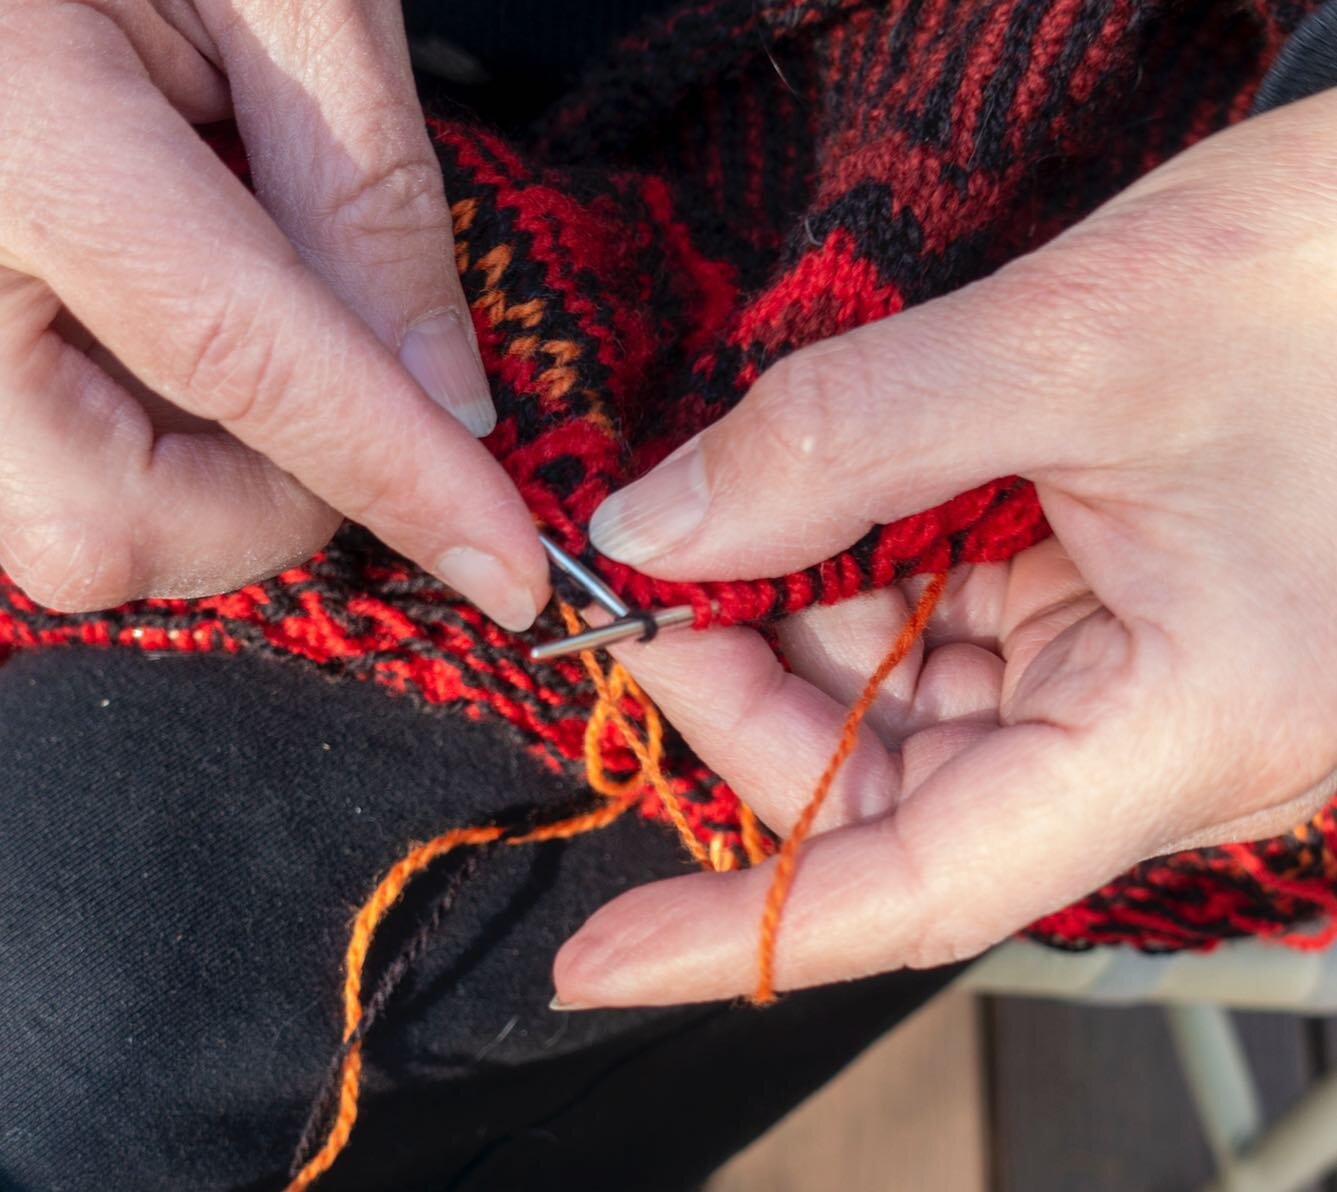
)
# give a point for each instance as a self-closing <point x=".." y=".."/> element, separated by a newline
<point x="783" y="879"/>
<point x="722" y="858"/>
<point x="621" y="795"/>
<point x="612" y="690"/>
<point x="754" y="843"/>
<point x="609" y="708"/>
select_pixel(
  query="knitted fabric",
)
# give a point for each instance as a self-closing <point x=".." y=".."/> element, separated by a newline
<point x="740" y="179"/>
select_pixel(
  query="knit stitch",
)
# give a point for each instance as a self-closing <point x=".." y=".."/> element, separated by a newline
<point x="742" y="178"/>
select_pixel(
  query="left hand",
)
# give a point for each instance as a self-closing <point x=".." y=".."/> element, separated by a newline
<point x="1162" y="673"/>
<point x="197" y="383"/>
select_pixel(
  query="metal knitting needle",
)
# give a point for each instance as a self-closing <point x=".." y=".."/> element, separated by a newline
<point x="622" y="630"/>
<point x="599" y="592"/>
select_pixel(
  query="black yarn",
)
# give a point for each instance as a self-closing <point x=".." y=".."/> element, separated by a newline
<point x="389" y="982"/>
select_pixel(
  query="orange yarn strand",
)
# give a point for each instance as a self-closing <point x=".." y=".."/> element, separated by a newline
<point x="350" y="1079"/>
<point x="621" y="794"/>
<point x="783" y="879"/>
<point x="577" y="825"/>
<point x="651" y="770"/>
<point x="385" y="895"/>
<point x="611" y="690"/>
<point x="754" y="844"/>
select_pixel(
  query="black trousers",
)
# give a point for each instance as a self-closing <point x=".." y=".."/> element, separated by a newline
<point x="184" y="841"/>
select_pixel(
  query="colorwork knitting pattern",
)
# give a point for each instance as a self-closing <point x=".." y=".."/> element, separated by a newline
<point x="740" y="179"/>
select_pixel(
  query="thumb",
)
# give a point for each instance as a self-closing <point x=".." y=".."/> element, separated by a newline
<point x="1125" y="338"/>
<point x="326" y="103"/>
<point x="871" y="426"/>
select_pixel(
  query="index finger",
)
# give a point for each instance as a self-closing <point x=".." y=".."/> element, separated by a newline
<point x="181" y="274"/>
<point x="1103" y="763"/>
<point x="340" y="157"/>
<point x="989" y="843"/>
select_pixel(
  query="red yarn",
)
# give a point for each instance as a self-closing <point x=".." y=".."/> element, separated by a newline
<point x="740" y="179"/>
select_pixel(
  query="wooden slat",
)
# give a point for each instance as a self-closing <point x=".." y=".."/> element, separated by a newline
<point x="907" y="1116"/>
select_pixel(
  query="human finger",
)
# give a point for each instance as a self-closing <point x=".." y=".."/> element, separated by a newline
<point x="216" y="313"/>
<point x="96" y="508"/>
<point x="326" y="103"/>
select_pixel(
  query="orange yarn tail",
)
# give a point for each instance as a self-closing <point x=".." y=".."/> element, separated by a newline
<point x="369" y="918"/>
<point x="612" y="691"/>
<point x="783" y="879"/>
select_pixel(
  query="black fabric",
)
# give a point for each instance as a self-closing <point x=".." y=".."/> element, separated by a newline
<point x="185" y="840"/>
<point x="506" y="60"/>
<point x="1306" y="65"/>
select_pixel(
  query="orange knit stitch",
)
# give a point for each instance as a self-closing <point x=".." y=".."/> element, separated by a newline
<point x="783" y="878"/>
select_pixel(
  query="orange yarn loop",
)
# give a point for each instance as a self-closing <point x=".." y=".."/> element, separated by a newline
<point x="783" y="879"/>
<point x="648" y="754"/>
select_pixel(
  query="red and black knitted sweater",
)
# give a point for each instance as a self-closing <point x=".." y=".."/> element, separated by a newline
<point x="741" y="178"/>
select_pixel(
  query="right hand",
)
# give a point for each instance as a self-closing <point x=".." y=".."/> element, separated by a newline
<point x="1160" y="675"/>
<point x="197" y="383"/>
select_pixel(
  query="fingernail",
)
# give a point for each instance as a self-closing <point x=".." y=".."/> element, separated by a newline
<point x="486" y="581"/>
<point x="441" y="356"/>
<point x="656" y="513"/>
<point x="561" y="1006"/>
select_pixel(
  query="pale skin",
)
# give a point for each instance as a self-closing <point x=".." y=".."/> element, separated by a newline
<point x="197" y="382"/>
<point x="1161" y="673"/>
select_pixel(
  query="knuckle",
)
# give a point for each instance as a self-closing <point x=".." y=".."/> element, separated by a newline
<point x="386" y="487"/>
<point x="72" y="565"/>
<point x="376" y="500"/>
<point x="934" y="933"/>
<point x="392" y="497"/>
<point x="396" y="491"/>
<point x="400" y="193"/>
<point x="231" y="367"/>
<point x="802" y="411"/>
<point x="946" y="944"/>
